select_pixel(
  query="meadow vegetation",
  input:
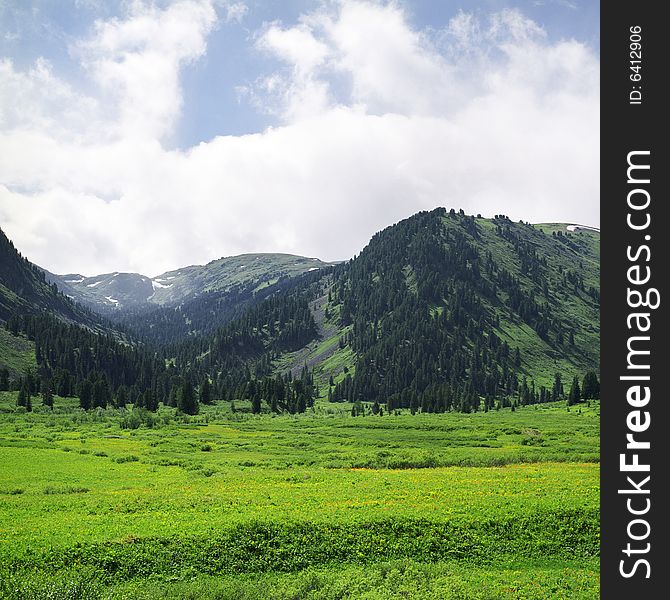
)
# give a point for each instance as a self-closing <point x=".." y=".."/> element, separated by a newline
<point x="124" y="503"/>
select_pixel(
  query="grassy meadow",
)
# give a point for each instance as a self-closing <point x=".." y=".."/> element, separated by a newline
<point x="127" y="504"/>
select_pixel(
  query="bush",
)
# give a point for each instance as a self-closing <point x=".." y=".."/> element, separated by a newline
<point x="51" y="490"/>
<point x="126" y="459"/>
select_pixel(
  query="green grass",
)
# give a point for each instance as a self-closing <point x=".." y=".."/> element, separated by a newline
<point x="387" y="580"/>
<point x="16" y="353"/>
<point x="230" y="505"/>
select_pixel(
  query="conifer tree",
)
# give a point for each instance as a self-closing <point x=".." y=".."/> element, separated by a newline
<point x="557" y="389"/>
<point x="122" y="396"/>
<point x="101" y="395"/>
<point x="85" y="394"/>
<point x="591" y="386"/>
<point x="575" y="393"/>
<point x="47" y="394"/>
<point x="206" y="391"/>
<point x="21" y="398"/>
<point x="4" y="380"/>
<point x="186" y="400"/>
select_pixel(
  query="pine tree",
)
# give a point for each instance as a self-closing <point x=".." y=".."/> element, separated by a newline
<point x="122" y="396"/>
<point x="47" y="394"/>
<point x="591" y="386"/>
<point x="575" y="393"/>
<point x="150" y="400"/>
<point x="4" y="380"/>
<point x="413" y="403"/>
<point x="206" y="391"/>
<point x="21" y="398"/>
<point x="101" y="395"/>
<point x="85" y="394"/>
<point x="186" y="400"/>
<point x="557" y="389"/>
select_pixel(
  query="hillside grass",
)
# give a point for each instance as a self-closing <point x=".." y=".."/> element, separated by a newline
<point x="17" y="354"/>
<point x="230" y="505"/>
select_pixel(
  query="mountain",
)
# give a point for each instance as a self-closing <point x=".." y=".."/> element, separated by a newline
<point x="111" y="292"/>
<point x="24" y="289"/>
<point x="443" y="302"/>
<point x="441" y="311"/>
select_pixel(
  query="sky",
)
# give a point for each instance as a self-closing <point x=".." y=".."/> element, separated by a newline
<point x="146" y="135"/>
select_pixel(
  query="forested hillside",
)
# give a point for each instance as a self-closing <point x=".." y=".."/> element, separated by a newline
<point x="24" y="289"/>
<point x="446" y="309"/>
<point x="442" y="311"/>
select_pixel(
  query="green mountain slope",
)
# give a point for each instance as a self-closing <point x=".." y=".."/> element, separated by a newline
<point x="442" y="299"/>
<point x="24" y="289"/>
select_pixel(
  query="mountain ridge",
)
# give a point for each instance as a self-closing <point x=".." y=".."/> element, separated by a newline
<point x="440" y="311"/>
<point x="117" y="290"/>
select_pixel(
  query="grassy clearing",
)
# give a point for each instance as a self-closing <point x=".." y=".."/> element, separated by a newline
<point x="228" y="505"/>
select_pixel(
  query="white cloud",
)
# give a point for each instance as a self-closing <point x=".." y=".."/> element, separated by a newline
<point x="235" y="11"/>
<point x="137" y="61"/>
<point x="377" y="121"/>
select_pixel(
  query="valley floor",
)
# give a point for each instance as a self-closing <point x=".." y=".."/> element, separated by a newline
<point x="122" y="504"/>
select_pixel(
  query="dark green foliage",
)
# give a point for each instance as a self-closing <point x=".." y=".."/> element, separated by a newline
<point x="85" y="392"/>
<point x="24" y="397"/>
<point x="121" y="396"/>
<point x="147" y="399"/>
<point x="77" y="355"/>
<point x="64" y="383"/>
<point x="186" y="400"/>
<point x="4" y="380"/>
<point x="557" y="389"/>
<point x="206" y="391"/>
<point x="575" y="393"/>
<point x="47" y="393"/>
<point x="591" y="386"/>
<point x="101" y="394"/>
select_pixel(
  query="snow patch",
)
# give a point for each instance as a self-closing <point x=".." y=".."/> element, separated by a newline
<point x="112" y="300"/>
<point x="92" y="285"/>
<point x="582" y="227"/>
<point x="75" y="280"/>
<point x="156" y="284"/>
<point x="313" y="268"/>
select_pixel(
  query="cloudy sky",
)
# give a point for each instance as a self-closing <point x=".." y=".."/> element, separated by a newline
<point x="146" y="135"/>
